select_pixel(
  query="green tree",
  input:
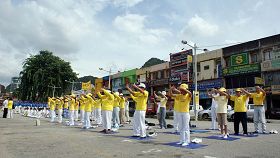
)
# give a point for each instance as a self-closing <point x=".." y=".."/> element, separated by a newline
<point x="152" y="61"/>
<point x="41" y="71"/>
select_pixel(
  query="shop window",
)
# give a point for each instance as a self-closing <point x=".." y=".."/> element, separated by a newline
<point x="227" y="60"/>
<point x="267" y="54"/>
<point x="206" y="67"/>
<point x="254" y="58"/>
<point x="198" y="67"/>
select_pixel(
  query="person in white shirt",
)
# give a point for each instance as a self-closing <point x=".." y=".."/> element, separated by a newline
<point x="222" y="100"/>
<point x="5" y="106"/>
<point x="213" y="94"/>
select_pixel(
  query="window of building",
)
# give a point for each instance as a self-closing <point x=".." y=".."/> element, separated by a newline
<point x="254" y="58"/>
<point x="198" y="67"/>
<point x="267" y="54"/>
<point x="227" y="60"/>
<point x="206" y="67"/>
<point x="159" y="74"/>
<point x="162" y="74"/>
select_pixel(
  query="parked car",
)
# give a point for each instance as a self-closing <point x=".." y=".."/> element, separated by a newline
<point x="206" y="114"/>
<point x="273" y="113"/>
<point x="169" y="112"/>
<point x="250" y="113"/>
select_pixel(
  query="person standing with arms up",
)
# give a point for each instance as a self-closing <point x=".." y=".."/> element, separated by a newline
<point x="116" y="110"/>
<point x="72" y="110"/>
<point x="162" y="111"/>
<point x="88" y="103"/>
<point x="76" y="108"/>
<point x="259" y="112"/>
<point x="140" y="97"/>
<point x="240" y="110"/>
<point x="183" y="98"/>
<point x="107" y="102"/>
<point x="222" y="100"/>
<point x="122" y="109"/>
<point x="127" y="109"/>
<point x="212" y="94"/>
<point x="52" y="104"/>
<point x="59" y="105"/>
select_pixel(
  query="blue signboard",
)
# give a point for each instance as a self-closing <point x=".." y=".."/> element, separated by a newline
<point x="204" y="85"/>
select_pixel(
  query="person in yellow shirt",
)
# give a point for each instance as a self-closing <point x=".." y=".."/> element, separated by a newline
<point x="259" y="112"/>
<point x="97" y="111"/>
<point x="140" y="98"/>
<point x="122" y="109"/>
<point x="88" y="109"/>
<point x="52" y="105"/>
<point x="65" y="107"/>
<point x="183" y="98"/>
<point x="10" y="108"/>
<point x="240" y="110"/>
<point x="76" y="108"/>
<point x="175" y="107"/>
<point x="59" y="104"/>
<point x="116" y="110"/>
<point x="72" y="104"/>
<point x="107" y="102"/>
<point x="162" y="108"/>
<point x="82" y="108"/>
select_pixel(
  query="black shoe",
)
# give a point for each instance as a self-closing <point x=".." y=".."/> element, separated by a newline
<point x="255" y="132"/>
<point x="135" y="136"/>
<point x="103" y="131"/>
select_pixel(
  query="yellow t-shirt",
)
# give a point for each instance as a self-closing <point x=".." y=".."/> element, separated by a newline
<point x="72" y="104"/>
<point x="52" y="104"/>
<point x="122" y="103"/>
<point x="239" y="103"/>
<point x="107" y="101"/>
<point x="117" y="101"/>
<point x="141" y="100"/>
<point x="76" y="105"/>
<point x="163" y="102"/>
<point x="97" y="104"/>
<point x="66" y="105"/>
<point x="59" y="104"/>
<point x="82" y="103"/>
<point x="183" y="102"/>
<point x="258" y="98"/>
<point x="88" y="104"/>
<point x="10" y="104"/>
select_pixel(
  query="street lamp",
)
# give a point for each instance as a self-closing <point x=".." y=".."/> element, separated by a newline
<point x="194" y="47"/>
<point x="54" y="87"/>
<point x="72" y="82"/>
<point x="110" y="71"/>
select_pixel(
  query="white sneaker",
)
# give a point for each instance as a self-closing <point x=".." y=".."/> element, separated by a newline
<point x="179" y="143"/>
<point x="222" y="136"/>
<point x="225" y="137"/>
<point x="185" y="144"/>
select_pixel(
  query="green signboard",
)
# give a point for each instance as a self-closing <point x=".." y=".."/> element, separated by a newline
<point x="243" y="69"/>
<point x="239" y="59"/>
<point x="275" y="63"/>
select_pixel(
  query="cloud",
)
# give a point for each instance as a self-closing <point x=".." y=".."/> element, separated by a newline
<point x="199" y="26"/>
<point x="134" y="25"/>
<point x="258" y="5"/>
<point x="126" y="3"/>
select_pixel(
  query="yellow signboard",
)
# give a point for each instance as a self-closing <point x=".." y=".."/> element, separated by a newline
<point x="196" y="98"/>
<point x="259" y="81"/>
<point x="189" y="58"/>
<point x="86" y="85"/>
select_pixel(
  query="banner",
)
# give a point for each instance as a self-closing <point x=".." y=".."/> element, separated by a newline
<point x="86" y="85"/>
<point x="239" y="59"/>
<point x="243" y="69"/>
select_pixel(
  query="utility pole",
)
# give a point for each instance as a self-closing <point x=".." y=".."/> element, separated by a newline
<point x="54" y="87"/>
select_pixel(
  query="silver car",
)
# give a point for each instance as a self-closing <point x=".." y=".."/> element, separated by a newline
<point x="250" y="113"/>
<point x="206" y="114"/>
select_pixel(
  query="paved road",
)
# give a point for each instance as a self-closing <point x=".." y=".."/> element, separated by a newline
<point x="20" y="138"/>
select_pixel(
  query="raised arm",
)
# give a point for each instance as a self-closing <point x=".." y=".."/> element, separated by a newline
<point x="246" y="92"/>
<point x="139" y="89"/>
<point x="130" y="91"/>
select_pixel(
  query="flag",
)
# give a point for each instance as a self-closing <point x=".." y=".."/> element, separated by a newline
<point x="86" y="85"/>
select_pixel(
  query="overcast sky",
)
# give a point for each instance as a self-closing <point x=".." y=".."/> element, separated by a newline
<point x="123" y="34"/>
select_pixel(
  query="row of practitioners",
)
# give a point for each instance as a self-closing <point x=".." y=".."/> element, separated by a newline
<point x="90" y="107"/>
<point x="241" y="99"/>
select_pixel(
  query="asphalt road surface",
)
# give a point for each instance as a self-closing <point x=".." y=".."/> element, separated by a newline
<point x="20" y="138"/>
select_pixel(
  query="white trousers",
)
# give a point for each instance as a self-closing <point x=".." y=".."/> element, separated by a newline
<point x="10" y="113"/>
<point x="76" y="115"/>
<point x="87" y="120"/>
<point x="116" y="116"/>
<point x="175" y="121"/>
<point x="139" y="127"/>
<point x="52" y="115"/>
<point x="259" y="117"/>
<point x="71" y="118"/>
<point x="59" y="115"/>
<point x="82" y="115"/>
<point x="127" y="115"/>
<point x="184" y="128"/>
<point x="98" y="116"/>
<point x="213" y="118"/>
<point x="106" y="119"/>
<point x="93" y="116"/>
